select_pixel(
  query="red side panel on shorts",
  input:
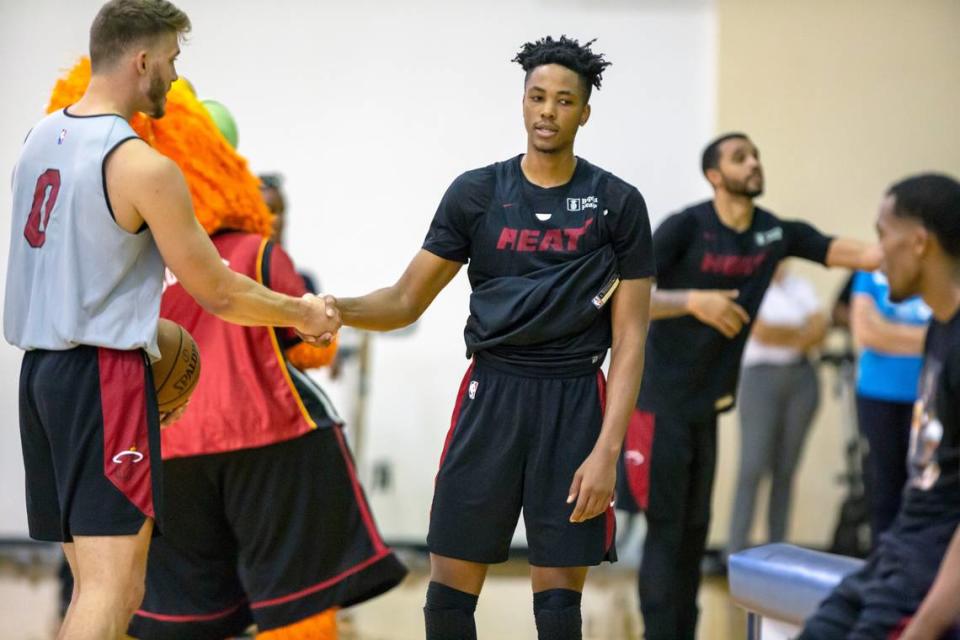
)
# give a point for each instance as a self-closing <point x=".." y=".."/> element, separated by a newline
<point x="610" y="519"/>
<point x="126" y="449"/>
<point x="636" y="455"/>
<point x="456" y="412"/>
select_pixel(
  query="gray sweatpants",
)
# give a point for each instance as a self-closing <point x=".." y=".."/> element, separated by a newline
<point x="777" y="405"/>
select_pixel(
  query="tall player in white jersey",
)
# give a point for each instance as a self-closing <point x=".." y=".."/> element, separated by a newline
<point x="96" y="214"/>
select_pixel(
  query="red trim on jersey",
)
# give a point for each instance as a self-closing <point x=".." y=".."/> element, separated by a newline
<point x="204" y="617"/>
<point x="456" y="414"/>
<point x="610" y="519"/>
<point x="637" y="450"/>
<point x="322" y="585"/>
<point x="358" y="494"/>
<point x="126" y="447"/>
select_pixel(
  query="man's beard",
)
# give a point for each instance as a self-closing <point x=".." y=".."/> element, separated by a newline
<point x="739" y="188"/>
<point x="156" y="94"/>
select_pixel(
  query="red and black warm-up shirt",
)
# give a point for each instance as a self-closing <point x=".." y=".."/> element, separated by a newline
<point x="691" y="369"/>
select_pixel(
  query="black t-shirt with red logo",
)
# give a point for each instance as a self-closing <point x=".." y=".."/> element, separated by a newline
<point x="541" y="261"/>
<point x="691" y="369"/>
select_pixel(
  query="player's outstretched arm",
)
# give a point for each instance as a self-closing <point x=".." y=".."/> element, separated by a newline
<point x="853" y="254"/>
<point x="403" y="303"/>
<point x="941" y="608"/>
<point x="144" y="184"/>
<point x="594" y="482"/>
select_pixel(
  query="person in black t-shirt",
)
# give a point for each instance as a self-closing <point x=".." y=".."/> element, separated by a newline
<point x="714" y="261"/>
<point x="560" y="265"/>
<point x="919" y="229"/>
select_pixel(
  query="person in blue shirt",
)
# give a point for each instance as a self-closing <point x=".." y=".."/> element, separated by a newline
<point x="890" y="338"/>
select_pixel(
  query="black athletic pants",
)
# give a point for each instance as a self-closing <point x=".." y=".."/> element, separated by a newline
<point x="886" y="426"/>
<point x="677" y="505"/>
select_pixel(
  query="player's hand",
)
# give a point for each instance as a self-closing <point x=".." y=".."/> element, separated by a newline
<point x="168" y="418"/>
<point x="323" y="320"/>
<point x="717" y="309"/>
<point x="593" y="486"/>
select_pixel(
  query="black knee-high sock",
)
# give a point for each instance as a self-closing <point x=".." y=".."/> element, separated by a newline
<point x="448" y="613"/>
<point x="557" y="612"/>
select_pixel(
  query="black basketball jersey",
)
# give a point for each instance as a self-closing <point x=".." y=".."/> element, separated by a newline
<point x="691" y="369"/>
<point x="542" y="261"/>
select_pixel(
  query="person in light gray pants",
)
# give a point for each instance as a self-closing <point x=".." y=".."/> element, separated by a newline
<point x="778" y="397"/>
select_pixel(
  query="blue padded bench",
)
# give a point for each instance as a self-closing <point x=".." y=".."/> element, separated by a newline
<point x="783" y="584"/>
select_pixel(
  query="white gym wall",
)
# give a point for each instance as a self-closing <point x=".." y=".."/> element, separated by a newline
<point x="370" y="109"/>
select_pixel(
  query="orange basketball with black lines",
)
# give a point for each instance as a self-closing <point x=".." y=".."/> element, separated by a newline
<point x="177" y="372"/>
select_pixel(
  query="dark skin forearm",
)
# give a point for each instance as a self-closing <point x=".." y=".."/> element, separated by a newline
<point x="403" y="303"/>
<point x="623" y="383"/>
<point x="941" y="608"/>
<point x="595" y="481"/>
<point x="381" y="310"/>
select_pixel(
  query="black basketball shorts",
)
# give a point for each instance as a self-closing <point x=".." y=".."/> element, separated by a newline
<point x="90" y="433"/>
<point x="271" y="535"/>
<point x="514" y="445"/>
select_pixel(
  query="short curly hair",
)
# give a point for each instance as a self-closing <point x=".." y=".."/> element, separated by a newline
<point x="568" y="53"/>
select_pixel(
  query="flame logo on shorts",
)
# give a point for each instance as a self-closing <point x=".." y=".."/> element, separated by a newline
<point x="132" y="453"/>
<point x="632" y="456"/>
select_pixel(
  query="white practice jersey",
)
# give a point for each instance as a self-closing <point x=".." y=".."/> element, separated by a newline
<point x="74" y="275"/>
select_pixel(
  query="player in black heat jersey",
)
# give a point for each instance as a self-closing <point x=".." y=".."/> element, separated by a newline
<point x="714" y="261"/>
<point x="560" y="265"/>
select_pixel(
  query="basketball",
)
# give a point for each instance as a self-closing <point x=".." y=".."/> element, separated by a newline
<point x="176" y="373"/>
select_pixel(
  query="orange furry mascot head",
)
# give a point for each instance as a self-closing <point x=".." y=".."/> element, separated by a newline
<point x="225" y="194"/>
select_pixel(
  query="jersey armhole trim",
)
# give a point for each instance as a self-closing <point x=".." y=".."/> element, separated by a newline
<point x="263" y="257"/>
<point x="103" y="179"/>
<point x="266" y="260"/>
